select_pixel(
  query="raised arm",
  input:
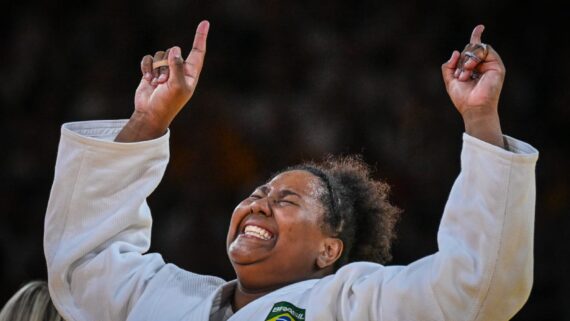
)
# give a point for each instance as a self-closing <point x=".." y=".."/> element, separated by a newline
<point x="484" y="264"/>
<point x="98" y="224"/>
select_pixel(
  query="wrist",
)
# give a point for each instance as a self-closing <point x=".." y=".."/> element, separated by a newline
<point x="141" y="126"/>
<point x="484" y="125"/>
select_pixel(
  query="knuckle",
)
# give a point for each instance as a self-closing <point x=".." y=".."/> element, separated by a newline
<point x="199" y="50"/>
<point x="176" y="86"/>
<point x="180" y="88"/>
<point x="177" y="61"/>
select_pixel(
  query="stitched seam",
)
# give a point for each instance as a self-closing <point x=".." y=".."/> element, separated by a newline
<point x="68" y="206"/>
<point x="487" y="288"/>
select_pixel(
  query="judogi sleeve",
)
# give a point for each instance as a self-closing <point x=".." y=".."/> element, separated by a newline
<point x="98" y="223"/>
<point x="483" y="269"/>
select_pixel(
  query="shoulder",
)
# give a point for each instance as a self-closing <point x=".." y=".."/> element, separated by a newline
<point x="174" y="293"/>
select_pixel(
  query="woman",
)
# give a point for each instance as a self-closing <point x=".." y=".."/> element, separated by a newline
<point x="298" y="242"/>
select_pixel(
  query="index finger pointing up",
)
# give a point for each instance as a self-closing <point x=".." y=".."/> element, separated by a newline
<point x="196" y="56"/>
<point x="476" y="34"/>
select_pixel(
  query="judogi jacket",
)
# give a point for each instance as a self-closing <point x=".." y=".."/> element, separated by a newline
<point x="98" y="227"/>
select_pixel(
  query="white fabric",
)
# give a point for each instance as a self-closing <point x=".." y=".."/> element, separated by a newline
<point x="97" y="231"/>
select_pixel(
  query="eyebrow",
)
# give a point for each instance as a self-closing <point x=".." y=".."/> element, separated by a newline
<point x="285" y="192"/>
<point x="264" y="189"/>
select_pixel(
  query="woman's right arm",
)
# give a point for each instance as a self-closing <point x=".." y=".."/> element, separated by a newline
<point x="98" y="224"/>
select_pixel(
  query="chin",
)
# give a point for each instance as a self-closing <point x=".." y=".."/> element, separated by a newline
<point x="240" y="255"/>
<point x="247" y="250"/>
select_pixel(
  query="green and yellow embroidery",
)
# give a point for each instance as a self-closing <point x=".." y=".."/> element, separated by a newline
<point x="285" y="311"/>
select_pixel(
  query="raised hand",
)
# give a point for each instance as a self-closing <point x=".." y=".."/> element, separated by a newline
<point x="164" y="89"/>
<point x="473" y="80"/>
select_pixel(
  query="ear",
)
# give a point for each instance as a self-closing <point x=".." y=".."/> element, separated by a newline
<point x="331" y="249"/>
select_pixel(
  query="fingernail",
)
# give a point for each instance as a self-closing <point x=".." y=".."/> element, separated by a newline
<point x="161" y="77"/>
<point x="175" y="52"/>
<point x="147" y="76"/>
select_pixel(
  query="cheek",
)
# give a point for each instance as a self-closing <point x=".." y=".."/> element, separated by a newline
<point x="242" y="209"/>
<point x="303" y="233"/>
<point x="298" y="248"/>
<point x="239" y="212"/>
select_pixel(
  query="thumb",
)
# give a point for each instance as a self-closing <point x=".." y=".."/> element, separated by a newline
<point x="176" y="66"/>
<point x="448" y="68"/>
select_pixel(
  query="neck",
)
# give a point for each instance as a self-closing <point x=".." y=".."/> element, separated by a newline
<point x="243" y="296"/>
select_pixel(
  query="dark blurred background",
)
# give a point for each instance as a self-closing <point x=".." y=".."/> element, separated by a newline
<point x="284" y="81"/>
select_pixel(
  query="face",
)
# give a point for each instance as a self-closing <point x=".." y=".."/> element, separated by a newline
<point x="275" y="235"/>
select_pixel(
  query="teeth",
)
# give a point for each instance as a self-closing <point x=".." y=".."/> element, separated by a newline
<point x="257" y="231"/>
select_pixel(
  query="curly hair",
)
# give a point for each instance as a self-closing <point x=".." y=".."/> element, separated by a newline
<point x="357" y="208"/>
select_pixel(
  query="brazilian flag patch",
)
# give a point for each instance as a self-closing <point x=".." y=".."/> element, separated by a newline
<point x="285" y="311"/>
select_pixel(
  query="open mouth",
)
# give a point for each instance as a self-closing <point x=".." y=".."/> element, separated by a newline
<point x="257" y="232"/>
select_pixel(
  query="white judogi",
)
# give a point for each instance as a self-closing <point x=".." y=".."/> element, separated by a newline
<point x="97" y="231"/>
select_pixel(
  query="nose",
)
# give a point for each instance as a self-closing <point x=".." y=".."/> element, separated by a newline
<point x="260" y="206"/>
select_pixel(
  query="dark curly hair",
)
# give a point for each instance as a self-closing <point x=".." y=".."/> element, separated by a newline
<point x="357" y="209"/>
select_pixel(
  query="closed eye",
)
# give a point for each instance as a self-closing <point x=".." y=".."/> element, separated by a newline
<point x="284" y="201"/>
